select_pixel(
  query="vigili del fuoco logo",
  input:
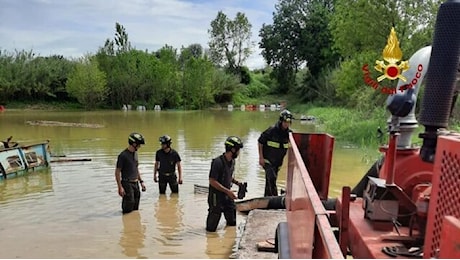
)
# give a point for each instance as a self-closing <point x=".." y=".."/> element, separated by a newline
<point x="391" y="67"/>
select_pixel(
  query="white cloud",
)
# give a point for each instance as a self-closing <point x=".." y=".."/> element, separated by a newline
<point x="75" y="27"/>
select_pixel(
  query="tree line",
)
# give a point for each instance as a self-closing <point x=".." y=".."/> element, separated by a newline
<point x="314" y="50"/>
<point x="317" y="47"/>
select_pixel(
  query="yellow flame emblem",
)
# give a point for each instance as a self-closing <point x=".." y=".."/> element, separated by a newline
<point x="392" y="54"/>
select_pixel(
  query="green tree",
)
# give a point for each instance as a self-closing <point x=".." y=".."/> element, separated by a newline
<point x="13" y="82"/>
<point x="121" y="39"/>
<point x="167" y="78"/>
<point x="116" y="61"/>
<point x="298" y="37"/>
<point x="192" y="51"/>
<point x="198" y="91"/>
<point x="360" y="30"/>
<point x="119" y="44"/>
<point x="144" y="80"/>
<point x="47" y="77"/>
<point x="26" y="76"/>
<point x="58" y="68"/>
<point x="225" y="85"/>
<point x="87" y="83"/>
<point x="364" y="25"/>
<point x="229" y="44"/>
<point x="123" y="79"/>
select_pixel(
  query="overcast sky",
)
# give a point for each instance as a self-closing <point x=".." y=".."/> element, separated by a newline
<point x="75" y="27"/>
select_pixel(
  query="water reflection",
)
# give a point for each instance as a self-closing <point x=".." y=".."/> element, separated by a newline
<point x="168" y="213"/>
<point x="217" y="242"/>
<point x="29" y="183"/>
<point x="133" y="235"/>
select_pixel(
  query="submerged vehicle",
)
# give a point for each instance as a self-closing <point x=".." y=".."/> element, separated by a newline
<point x="408" y="203"/>
<point x="16" y="159"/>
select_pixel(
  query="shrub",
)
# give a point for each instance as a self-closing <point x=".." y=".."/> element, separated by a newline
<point x="87" y="83"/>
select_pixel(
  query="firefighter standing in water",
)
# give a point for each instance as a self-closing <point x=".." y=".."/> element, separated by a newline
<point x="273" y="144"/>
<point x="166" y="160"/>
<point x="220" y="197"/>
<point x="127" y="174"/>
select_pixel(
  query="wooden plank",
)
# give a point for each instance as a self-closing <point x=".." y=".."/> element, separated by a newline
<point x="71" y="160"/>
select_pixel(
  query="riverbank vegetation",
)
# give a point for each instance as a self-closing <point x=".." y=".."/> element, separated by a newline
<point x="314" y="51"/>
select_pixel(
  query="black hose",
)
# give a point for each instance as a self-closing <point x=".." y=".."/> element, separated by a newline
<point x="276" y="202"/>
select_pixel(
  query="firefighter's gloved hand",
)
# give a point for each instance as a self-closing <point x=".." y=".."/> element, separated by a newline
<point x="243" y="188"/>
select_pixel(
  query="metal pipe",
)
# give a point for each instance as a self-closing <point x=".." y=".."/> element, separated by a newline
<point x="415" y="75"/>
<point x="390" y="158"/>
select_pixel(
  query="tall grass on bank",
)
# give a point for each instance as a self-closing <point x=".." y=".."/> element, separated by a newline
<point x="349" y="126"/>
<point x="44" y="105"/>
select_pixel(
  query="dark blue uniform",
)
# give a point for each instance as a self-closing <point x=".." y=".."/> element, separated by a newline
<point x="127" y="161"/>
<point x="167" y="170"/>
<point x="275" y="142"/>
<point x="222" y="171"/>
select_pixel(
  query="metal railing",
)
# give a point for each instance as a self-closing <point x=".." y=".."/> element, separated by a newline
<point x="309" y="233"/>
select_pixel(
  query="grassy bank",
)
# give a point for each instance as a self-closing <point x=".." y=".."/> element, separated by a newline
<point x="43" y="105"/>
<point x="358" y="128"/>
<point x="348" y="126"/>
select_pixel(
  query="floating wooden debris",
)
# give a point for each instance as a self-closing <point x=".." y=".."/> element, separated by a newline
<point x="71" y="160"/>
<point x="57" y="123"/>
<point x="200" y="189"/>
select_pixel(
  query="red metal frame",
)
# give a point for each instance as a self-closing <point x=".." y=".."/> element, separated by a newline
<point x="445" y="194"/>
<point x="316" y="153"/>
<point x="343" y="215"/>
<point x="310" y="234"/>
<point x="390" y="159"/>
<point x="409" y="169"/>
<point x="450" y="246"/>
<point x="366" y="238"/>
<point x="365" y="241"/>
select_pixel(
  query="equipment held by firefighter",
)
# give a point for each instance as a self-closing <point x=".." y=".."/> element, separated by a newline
<point x="243" y="188"/>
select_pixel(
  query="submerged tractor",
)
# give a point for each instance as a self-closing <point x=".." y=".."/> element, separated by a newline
<point x="408" y="203"/>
